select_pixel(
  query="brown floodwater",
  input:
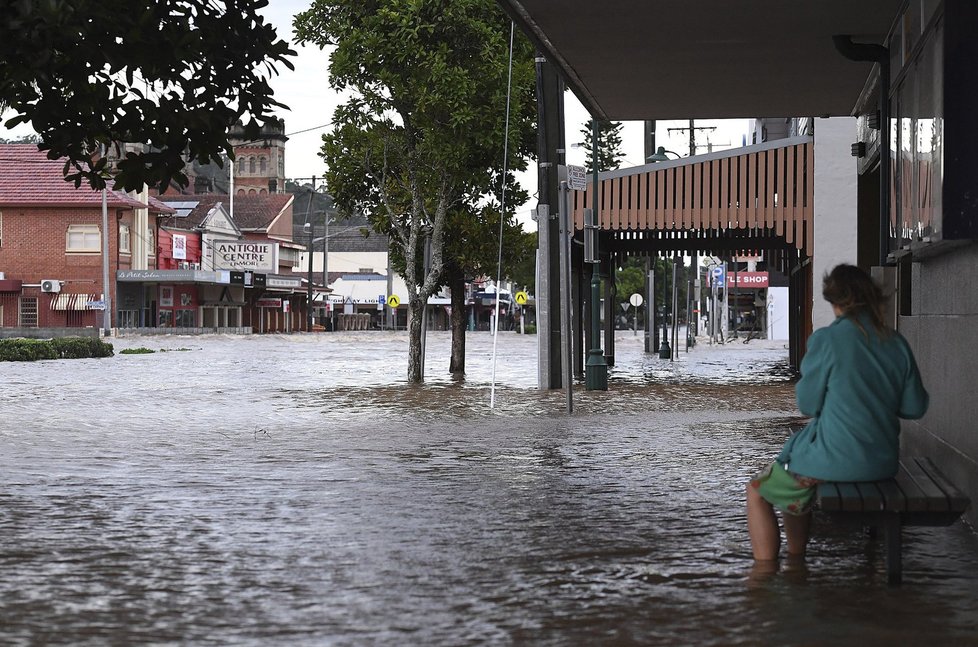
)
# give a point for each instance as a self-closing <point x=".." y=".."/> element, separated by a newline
<point x="274" y="490"/>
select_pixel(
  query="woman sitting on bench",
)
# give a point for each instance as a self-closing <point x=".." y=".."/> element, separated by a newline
<point x="858" y="377"/>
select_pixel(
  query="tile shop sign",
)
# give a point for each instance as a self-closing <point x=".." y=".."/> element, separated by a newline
<point x="244" y="255"/>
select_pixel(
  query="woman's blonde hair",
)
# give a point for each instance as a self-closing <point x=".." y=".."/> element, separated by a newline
<point x="855" y="292"/>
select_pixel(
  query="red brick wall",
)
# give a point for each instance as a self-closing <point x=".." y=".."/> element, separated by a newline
<point x="33" y="248"/>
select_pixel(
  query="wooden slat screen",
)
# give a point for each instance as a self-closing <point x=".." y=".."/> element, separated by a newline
<point x="766" y="189"/>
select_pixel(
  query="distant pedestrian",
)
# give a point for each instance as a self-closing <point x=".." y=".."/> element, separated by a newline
<point x="858" y="377"/>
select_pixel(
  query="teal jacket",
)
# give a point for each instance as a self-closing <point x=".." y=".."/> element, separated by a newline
<point x="855" y="384"/>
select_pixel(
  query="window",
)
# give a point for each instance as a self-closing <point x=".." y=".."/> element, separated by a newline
<point x="83" y="238"/>
<point x="262" y="165"/>
<point x="184" y="318"/>
<point x="151" y="241"/>
<point x="125" y="239"/>
<point x="27" y="313"/>
<point x="241" y="166"/>
<point x="1" y="230"/>
<point x="1" y="316"/>
<point x="251" y="165"/>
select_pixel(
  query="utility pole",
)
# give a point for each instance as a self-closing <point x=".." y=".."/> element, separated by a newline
<point x="691" y="129"/>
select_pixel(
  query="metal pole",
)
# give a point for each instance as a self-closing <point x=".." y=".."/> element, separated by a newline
<point x="664" y="350"/>
<point x="596" y="373"/>
<point x="565" y="306"/>
<point x="674" y="305"/>
<point x="329" y="309"/>
<point x="107" y="297"/>
<point x="312" y="230"/>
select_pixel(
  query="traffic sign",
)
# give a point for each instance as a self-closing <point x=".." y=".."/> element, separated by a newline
<point x="393" y="301"/>
<point x="522" y="297"/>
<point x="636" y="299"/>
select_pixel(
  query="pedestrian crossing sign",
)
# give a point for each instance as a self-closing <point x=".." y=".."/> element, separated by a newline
<point x="393" y="301"/>
<point x="521" y="297"/>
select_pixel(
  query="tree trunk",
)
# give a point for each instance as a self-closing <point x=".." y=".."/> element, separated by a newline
<point x="456" y="283"/>
<point x="416" y="307"/>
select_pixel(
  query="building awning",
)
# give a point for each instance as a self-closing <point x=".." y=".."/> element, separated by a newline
<point x="653" y="59"/>
<point x="72" y="301"/>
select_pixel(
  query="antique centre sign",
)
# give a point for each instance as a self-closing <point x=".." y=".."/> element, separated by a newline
<point x="245" y="255"/>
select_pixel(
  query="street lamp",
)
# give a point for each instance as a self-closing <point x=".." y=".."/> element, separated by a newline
<point x="660" y="155"/>
<point x="596" y="370"/>
<point x="665" y="351"/>
<point x="307" y="229"/>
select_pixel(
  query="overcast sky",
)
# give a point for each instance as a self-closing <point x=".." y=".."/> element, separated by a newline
<point x="311" y="102"/>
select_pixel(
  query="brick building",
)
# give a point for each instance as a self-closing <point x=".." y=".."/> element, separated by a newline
<point x="51" y="243"/>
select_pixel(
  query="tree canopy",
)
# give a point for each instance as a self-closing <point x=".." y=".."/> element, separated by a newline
<point x="422" y="135"/>
<point x="170" y="74"/>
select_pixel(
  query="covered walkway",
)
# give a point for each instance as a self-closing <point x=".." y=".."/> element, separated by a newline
<point x="756" y="199"/>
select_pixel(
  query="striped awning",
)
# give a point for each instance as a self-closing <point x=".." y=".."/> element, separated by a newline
<point x="72" y="301"/>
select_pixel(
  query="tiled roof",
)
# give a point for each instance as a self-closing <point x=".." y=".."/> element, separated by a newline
<point x="251" y="212"/>
<point x="29" y="179"/>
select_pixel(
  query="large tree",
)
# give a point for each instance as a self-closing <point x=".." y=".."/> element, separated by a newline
<point x="171" y="74"/>
<point x="609" y="145"/>
<point x="422" y="135"/>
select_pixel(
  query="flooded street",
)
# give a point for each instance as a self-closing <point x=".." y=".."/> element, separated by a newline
<point x="274" y="490"/>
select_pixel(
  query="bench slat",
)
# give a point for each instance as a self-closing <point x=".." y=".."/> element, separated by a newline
<point x="958" y="501"/>
<point x="934" y="496"/>
<point x="915" y="497"/>
<point x="870" y="496"/>
<point x="893" y="498"/>
<point x="828" y="497"/>
<point x="851" y="499"/>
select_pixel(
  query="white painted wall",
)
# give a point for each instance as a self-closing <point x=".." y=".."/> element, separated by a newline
<point x="835" y="206"/>
<point x="777" y="313"/>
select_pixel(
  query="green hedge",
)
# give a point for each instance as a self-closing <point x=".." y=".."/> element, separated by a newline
<point x="30" y="350"/>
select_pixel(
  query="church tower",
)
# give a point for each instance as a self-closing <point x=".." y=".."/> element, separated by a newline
<point x="259" y="162"/>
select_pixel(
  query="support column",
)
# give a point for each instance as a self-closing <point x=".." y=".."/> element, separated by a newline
<point x="550" y="146"/>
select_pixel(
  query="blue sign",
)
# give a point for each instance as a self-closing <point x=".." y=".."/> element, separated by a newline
<point x="717" y="273"/>
<point x="382" y="299"/>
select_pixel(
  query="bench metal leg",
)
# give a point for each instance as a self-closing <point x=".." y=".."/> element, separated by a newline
<point x="894" y="548"/>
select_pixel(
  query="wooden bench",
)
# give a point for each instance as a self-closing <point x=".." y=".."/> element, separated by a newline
<point x="919" y="495"/>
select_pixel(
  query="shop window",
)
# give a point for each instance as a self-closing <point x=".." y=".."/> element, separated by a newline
<point x="83" y="238"/>
<point x="166" y="319"/>
<point x="185" y="318"/>
<point x="917" y="148"/>
<point x="125" y="239"/>
<point x="166" y="296"/>
<point x="27" y="312"/>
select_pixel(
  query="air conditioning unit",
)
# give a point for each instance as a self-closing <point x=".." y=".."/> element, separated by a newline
<point x="184" y="265"/>
<point x="195" y="266"/>
<point x="50" y="285"/>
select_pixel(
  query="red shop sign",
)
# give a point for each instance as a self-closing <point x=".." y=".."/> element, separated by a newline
<point x="747" y="279"/>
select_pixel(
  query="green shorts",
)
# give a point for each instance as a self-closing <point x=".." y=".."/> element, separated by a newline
<point x="790" y="493"/>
